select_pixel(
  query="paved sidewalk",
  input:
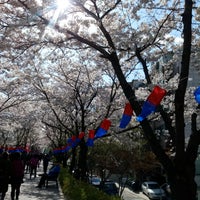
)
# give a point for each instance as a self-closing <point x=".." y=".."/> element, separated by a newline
<point x="29" y="191"/>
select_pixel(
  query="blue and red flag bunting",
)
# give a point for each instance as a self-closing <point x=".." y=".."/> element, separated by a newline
<point x="63" y="149"/>
<point x="73" y="139"/>
<point x="11" y="149"/>
<point x="81" y="135"/>
<point x="69" y="142"/>
<point x="127" y="115"/>
<point x="152" y="102"/>
<point x="57" y="150"/>
<point x="102" y="130"/>
<point x="197" y="95"/>
<point x="67" y="148"/>
<point x="78" y="139"/>
<point x="148" y="107"/>
<point x="90" y="140"/>
<point x="15" y="149"/>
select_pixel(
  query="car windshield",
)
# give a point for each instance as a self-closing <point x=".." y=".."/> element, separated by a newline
<point x="153" y="186"/>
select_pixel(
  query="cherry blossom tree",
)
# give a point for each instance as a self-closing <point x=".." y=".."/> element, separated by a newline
<point x="74" y="100"/>
<point x="121" y="35"/>
<point x="13" y="102"/>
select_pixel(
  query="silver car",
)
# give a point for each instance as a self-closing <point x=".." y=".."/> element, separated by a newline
<point x="153" y="190"/>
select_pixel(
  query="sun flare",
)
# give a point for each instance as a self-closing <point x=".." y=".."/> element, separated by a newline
<point x="54" y="11"/>
<point x="60" y="8"/>
<point x="62" y="5"/>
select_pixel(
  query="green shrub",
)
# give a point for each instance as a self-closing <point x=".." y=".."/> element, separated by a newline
<point x="78" y="190"/>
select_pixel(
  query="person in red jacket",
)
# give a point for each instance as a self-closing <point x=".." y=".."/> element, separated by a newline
<point x="17" y="174"/>
<point x="33" y="165"/>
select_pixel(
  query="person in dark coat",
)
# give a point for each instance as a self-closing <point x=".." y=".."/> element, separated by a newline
<point x="17" y="174"/>
<point x="53" y="171"/>
<point x="46" y="160"/>
<point x="5" y="171"/>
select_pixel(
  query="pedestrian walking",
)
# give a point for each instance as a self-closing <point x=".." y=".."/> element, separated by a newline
<point x="5" y="171"/>
<point x="33" y="165"/>
<point x="27" y="163"/>
<point x="17" y="174"/>
<point x="46" y="160"/>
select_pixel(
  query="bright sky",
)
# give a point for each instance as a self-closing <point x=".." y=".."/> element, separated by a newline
<point x="61" y="5"/>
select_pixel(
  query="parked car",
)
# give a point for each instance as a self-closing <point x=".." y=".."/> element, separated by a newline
<point x="109" y="187"/>
<point x="153" y="190"/>
<point x="124" y="180"/>
<point x="133" y="185"/>
<point x="95" y="181"/>
<point x="166" y="188"/>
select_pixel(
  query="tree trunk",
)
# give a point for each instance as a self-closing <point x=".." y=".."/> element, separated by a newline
<point x="82" y="160"/>
<point x="182" y="183"/>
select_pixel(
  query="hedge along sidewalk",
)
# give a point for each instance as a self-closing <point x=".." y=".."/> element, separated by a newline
<point x="28" y="190"/>
<point x="78" y="190"/>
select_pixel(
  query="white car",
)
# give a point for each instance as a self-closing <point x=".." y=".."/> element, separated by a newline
<point x="153" y="190"/>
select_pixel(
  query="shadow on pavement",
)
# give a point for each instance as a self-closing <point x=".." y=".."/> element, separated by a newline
<point x="30" y="192"/>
